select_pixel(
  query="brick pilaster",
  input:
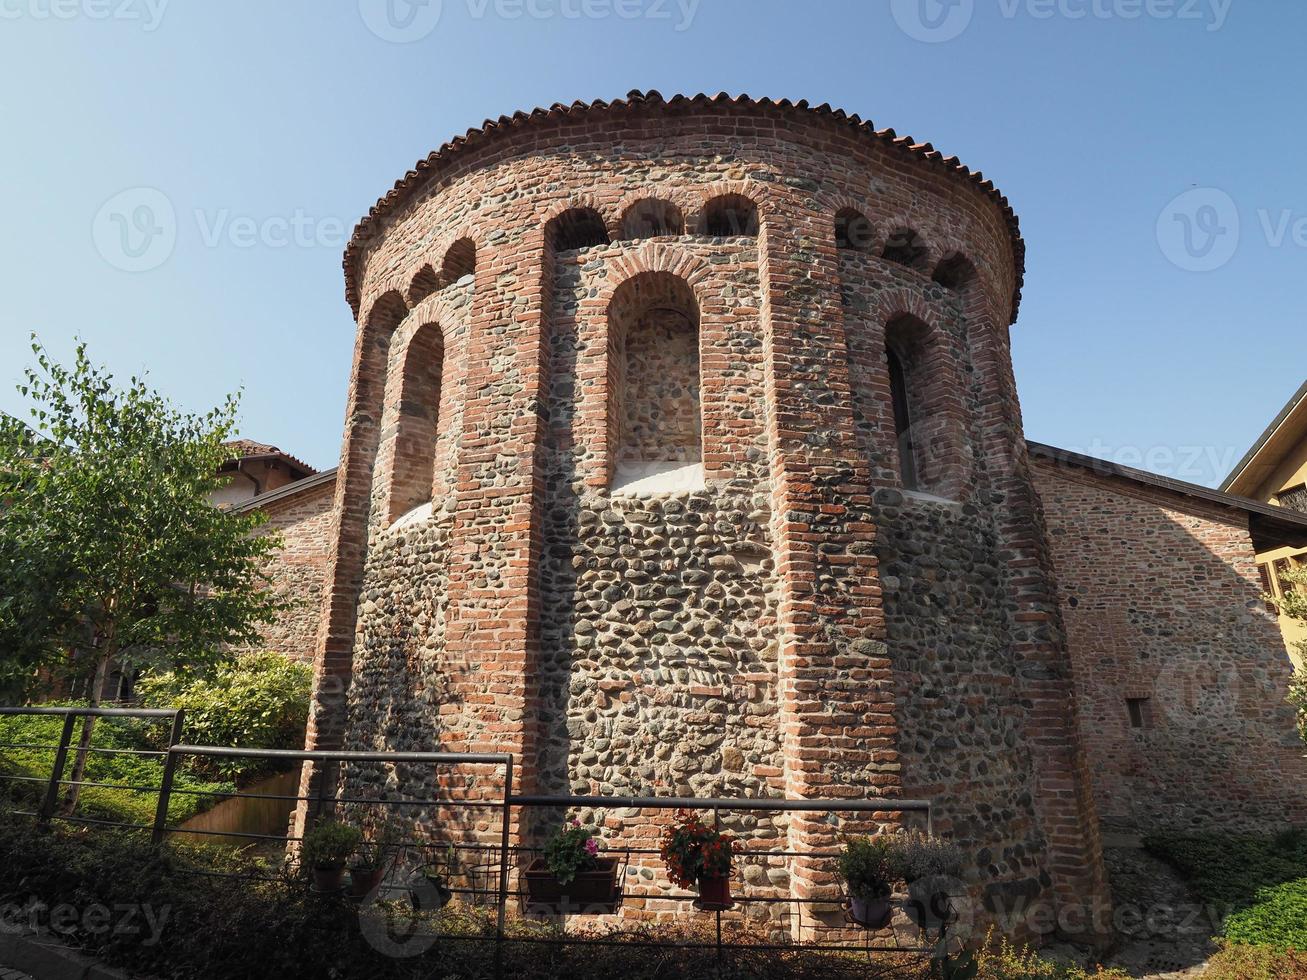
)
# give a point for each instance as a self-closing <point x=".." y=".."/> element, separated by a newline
<point x="836" y="689"/>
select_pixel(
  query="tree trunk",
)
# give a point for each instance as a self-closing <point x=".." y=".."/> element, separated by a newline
<point x="88" y="728"/>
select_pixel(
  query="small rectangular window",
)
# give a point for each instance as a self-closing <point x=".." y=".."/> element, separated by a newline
<point x="1141" y="712"/>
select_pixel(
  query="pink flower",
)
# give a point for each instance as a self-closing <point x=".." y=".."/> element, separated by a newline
<point x="576" y="822"/>
<point x="592" y="847"/>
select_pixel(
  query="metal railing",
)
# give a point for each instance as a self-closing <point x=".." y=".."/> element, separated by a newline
<point x="494" y="886"/>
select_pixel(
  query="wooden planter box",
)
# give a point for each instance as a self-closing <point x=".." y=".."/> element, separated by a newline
<point x="589" y="893"/>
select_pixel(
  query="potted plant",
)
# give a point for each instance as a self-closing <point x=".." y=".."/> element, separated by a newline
<point x="699" y="855"/>
<point x="367" y="868"/>
<point x="572" y="877"/>
<point x="428" y="886"/>
<point x="326" y="848"/>
<point x="869" y="868"/>
<point x="931" y="867"/>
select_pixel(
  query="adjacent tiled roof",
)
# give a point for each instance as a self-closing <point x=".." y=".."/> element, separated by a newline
<point x="1286" y="427"/>
<point x="1265" y="519"/>
<point x="289" y="490"/>
<point x="246" y="449"/>
<point x="424" y="169"/>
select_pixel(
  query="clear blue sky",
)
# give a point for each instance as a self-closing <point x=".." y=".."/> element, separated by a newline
<point x="253" y="117"/>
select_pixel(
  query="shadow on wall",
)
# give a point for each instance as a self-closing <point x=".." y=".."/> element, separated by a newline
<point x="1181" y="673"/>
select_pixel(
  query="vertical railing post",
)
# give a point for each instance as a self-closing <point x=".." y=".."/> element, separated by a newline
<point x="165" y="783"/>
<point x="503" y="866"/>
<point x="57" y="771"/>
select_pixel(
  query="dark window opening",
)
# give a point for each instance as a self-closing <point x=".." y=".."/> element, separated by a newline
<point x="905" y="247"/>
<point x="460" y="261"/>
<point x="898" y="386"/>
<point x="1141" y="712"/>
<point x="954" y="272"/>
<point x="853" y="230"/>
<point x="730" y="216"/>
<point x="578" y="228"/>
<point x="423" y="285"/>
<point x="652" y="219"/>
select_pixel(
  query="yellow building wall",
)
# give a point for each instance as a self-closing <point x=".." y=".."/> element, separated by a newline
<point x="1292" y="472"/>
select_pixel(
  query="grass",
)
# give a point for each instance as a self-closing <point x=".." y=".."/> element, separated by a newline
<point x="131" y="806"/>
<point x="1258" y="883"/>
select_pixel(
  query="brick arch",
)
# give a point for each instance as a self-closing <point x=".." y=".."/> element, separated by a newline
<point x="831" y="205"/>
<point x="638" y="199"/>
<point x="654" y="257"/>
<point x="407" y="460"/>
<point x="706" y="193"/>
<point x="891" y="227"/>
<point x="933" y="363"/>
<point x="580" y="202"/>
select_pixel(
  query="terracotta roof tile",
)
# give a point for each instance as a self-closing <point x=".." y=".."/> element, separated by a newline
<point x="408" y="184"/>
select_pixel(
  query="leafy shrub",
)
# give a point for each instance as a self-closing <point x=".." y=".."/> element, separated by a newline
<point x="329" y="843"/>
<point x="572" y="848"/>
<point x="191" y="795"/>
<point x="869" y="867"/>
<point x="1260" y="881"/>
<point x="921" y="857"/>
<point x="1298" y="695"/>
<point x="255" y="701"/>
<point x="1008" y="962"/>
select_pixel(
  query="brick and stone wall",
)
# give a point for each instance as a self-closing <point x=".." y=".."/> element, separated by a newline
<point x="303" y="518"/>
<point x="797" y="625"/>
<point x="1163" y="607"/>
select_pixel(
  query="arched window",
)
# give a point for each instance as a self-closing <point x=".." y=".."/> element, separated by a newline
<point x="577" y="228"/>
<point x="929" y="430"/>
<point x="905" y="247"/>
<point x="460" y="261"/>
<point x="730" y="216"/>
<point x="853" y="231"/>
<point x="417" y="421"/>
<point x="954" y="272"/>
<point x="423" y="285"/>
<point x="654" y="425"/>
<point x="898" y="388"/>
<point x="652" y="218"/>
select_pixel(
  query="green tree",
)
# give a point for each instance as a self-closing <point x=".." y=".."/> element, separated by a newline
<point x="1292" y="602"/>
<point x="110" y="550"/>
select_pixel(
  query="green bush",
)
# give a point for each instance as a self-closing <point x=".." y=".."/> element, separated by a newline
<point x="125" y="769"/>
<point x="1298" y="694"/>
<point x="1260" y="881"/>
<point x="1008" y="962"/>
<point x="256" y="701"/>
<point x="329" y="844"/>
<point x="869" y="867"/>
<point x="1236" y="962"/>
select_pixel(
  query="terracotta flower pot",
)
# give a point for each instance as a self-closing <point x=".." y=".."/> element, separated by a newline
<point x="872" y="913"/>
<point x="328" y="878"/>
<point x="715" y="892"/>
<point x="593" y="892"/>
<point x="364" y="881"/>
